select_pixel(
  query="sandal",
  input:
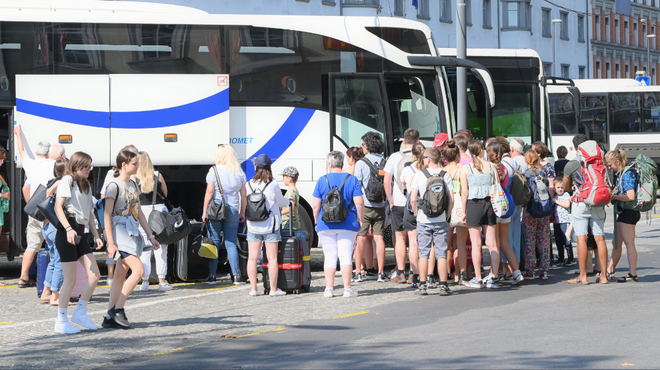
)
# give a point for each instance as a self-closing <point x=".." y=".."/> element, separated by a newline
<point x="602" y="280"/>
<point x="610" y="275"/>
<point x="577" y="280"/>
<point x="26" y="283"/>
<point x="628" y="278"/>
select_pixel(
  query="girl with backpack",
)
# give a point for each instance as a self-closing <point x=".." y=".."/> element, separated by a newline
<point x="338" y="211"/>
<point x="624" y="195"/>
<point x="73" y="207"/>
<point x="536" y="228"/>
<point x="264" y="199"/>
<point x="476" y="180"/>
<point x="409" y="219"/>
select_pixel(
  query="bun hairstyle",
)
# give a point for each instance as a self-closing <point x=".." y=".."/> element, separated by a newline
<point x="418" y="152"/>
<point x="124" y="156"/>
<point x="355" y="152"/>
<point x="476" y="147"/>
<point x="451" y="152"/>
<point x="617" y="155"/>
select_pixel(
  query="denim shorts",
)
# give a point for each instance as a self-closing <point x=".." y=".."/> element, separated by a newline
<point x="585" y="217"/>
<point x="268" y="238"/>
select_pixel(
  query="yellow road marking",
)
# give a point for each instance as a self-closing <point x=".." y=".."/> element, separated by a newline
<point x="218" y="288"/>
<point x="172" y="350"/>
<point x="6" y="322"/>
<point x="9" y="286"/>
<point x="351" y="314"/>
<point x="259" y="332"/>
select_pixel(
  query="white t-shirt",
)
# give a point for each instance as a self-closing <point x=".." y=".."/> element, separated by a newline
<point x="274" y="201"/>
<point x="76" y="202"/>
<point x="41" y="171"/>
<point x="419" y="184"/>
<point x="391" y="167"/>
<point x="407" y="176"/>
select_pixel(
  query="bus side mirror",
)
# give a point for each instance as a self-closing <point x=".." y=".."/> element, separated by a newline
<point x="577" y="100"/>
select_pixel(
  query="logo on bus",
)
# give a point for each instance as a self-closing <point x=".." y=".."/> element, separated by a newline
<point x="223" y="81"/>
<point x="241" y="140"/>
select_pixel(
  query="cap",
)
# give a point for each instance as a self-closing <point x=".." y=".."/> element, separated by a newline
<point x="440" y="139"/>
<point x="262" y="160"/>
<point x="517" y="146"/>
<point x="290" y="172"/>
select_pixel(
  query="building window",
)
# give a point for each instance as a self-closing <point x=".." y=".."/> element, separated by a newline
<point x="597" y="23"/>
<point x="565" y="71"/>
<point x="547" y="69"/>
<point x="627" y="71"/>
<point x="607" y="70"/>
<point x="369" y="3"/>
<point x="423" y="9"/>
<point x="617" y="71"/>
<point x="445" y="11"/>
<point x="398" y="7"/>
<point x="580" y="26"/>
<point x="626" y="34"/>
<point x="636" y="33"/>
<point x="582" y="72"/>
<point x="607" y="29"/>
<point x="617" y="34"/>
<point x="487" y="14"/>
<point x="517" y="15"/>
<point x="468" y="12"/>
<point x="644" y="33"/>
<point x="564" y="25"/>
<point x="546" y="22"/>
<point x="598" y="70"/>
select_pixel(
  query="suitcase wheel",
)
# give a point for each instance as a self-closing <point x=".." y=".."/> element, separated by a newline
<point x="296" y="291"/>
<point x="304" y="289"/>
<point x="266" y="291"/>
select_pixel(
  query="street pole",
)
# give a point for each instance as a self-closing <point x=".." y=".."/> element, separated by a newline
<point x="461" y="72"/>
<point x="554" y="65"/>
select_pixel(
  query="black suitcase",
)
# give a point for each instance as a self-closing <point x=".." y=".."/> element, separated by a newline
<point x="179" y="268"/>
<point x="295" y="273"/>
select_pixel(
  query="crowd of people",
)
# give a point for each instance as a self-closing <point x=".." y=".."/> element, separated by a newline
<point x="439" y="202"/>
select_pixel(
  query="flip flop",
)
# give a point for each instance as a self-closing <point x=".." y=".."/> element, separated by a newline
<point x="577" y="280"/>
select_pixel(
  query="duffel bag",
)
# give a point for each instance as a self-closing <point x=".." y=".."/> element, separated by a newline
<point x="169" y="227"/>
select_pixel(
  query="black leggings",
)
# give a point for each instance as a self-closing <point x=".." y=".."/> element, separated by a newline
<point x="70" y="252"/>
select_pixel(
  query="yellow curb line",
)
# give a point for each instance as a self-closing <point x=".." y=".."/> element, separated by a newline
<point x="172" y="350"/>
<point x="351" y="314"/>
<point x="6" y="322"/>
<point x="218" y="288"/>
<point x="259" y="332"/>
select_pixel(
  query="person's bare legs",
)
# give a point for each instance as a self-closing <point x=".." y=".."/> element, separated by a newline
<point x="506" y="248"/>
<point x="475" y="237"/>
<point x="602" y="254"/>
<point x="137" y="271"/>
<point x="380" y="252"/>
<point x="69" y="273"/>
<point x="254" y="249"/>
<point x="93" y="275"/>
<point x="273" y="268"/>
<point x="491" y="244"/>
<point x="346" y="275"/>
<point x="401" y="237"/>
<point x="582" y="257"/>
<point x="413" y="251"/>
<point x="627" y="233"/>
<point x="28" y="258"/>
<point x="461" y="238"/>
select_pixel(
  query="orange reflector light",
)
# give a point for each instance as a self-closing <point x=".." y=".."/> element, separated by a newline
<point x="66" y="139"/>
<point x="171" y="138"/>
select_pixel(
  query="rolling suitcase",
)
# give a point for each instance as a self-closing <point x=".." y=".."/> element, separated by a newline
<point x="243" y="250"/>
<point x="293" y="260"/>
<point x="81" y="280"/>
<point x="42" y="266"/>
<point x="181" y="269"/>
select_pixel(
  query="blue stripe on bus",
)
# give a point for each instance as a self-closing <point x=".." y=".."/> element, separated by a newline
<point x="282" y="139"/>
<point x="174" y="116"/>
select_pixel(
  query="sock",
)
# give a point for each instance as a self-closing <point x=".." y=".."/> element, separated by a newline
<point x="82" y="305"/>
<point x="464" y="276"/>
<point x="348" y="289"/>
<point x="109" y="282"/>
<point x="61" y="315"/>
<point x="399" y="272"/>
<point x="444" y="284"/>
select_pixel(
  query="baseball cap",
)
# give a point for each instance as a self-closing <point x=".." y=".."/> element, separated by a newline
<point x="516" y="145"/>
<point x="290" y="172"/>
<point x="440" y="139"/>
<point x="262" y="160"/>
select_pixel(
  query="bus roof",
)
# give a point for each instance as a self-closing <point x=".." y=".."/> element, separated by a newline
<point x="605" y="85"/>
<point x="471" y="52"/>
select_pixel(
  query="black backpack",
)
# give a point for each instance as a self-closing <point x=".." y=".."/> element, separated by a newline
<point x="375" y="190"/>
<point x="256" y="209"/>
<point x="333" y="206"/>
<point x="436" y="197"/>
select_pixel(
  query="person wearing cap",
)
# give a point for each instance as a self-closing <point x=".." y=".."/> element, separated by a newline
<point x="440" y="140"/>
<point x="266" y="231"/>
<point x="232" y="181"/>
<point x="517" y="152"/>
<point x="290" y="214"/>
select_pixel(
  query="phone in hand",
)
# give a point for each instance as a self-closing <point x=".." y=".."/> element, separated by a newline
<point x="78" y="238"/>
<point x="117" y="256"/>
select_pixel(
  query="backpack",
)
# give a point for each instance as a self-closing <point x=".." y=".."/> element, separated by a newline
<point x="405" y="161"/>
<point x="256" y="208"/>
<point x="594" y="190"/>
<point x="436" y="198"/>
<point x="540" y="204"/>
<point x="520" y="190"/>
<point x="375" y="190"/>
<point x="333" y="206"/>
<point x="647" y="184"/>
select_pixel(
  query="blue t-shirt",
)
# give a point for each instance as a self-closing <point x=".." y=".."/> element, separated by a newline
<point x="351" y="189"/>
<point x="628" y="182"/>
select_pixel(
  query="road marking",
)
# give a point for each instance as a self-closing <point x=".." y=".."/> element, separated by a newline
<point x="172" y="350"/>
<point x="351" y="314"/>
<point x="626" y="364"/>
<point x="260" y="332"/>
<point x="6" y="322"/>
<point x="9" y="286"/>
<point x="218" y="288"/>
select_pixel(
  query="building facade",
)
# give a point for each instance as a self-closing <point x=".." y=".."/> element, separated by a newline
<point x="562" y="26"/>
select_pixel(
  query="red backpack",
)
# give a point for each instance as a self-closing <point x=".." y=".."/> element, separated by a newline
<point x="594" y="190"/>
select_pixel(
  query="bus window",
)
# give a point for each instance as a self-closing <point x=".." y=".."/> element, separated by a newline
<point x="625" y="112"/>
<point x="651" y="112"/>
<point x="413" y="104"/>
<point x="562" y="114"/>
<point x="594" y="117"/>
<point x="358" y="106"/>
<point x="512" y="114"/>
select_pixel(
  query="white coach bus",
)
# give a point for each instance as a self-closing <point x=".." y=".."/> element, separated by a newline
<point x="618" y="113"/>
<point x="176" y="82"/>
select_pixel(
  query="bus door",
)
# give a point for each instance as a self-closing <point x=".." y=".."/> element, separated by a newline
<point x="177" y="119"/>
<point x="358" y="104"/>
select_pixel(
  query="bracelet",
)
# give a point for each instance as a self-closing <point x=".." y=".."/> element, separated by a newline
<point x="69" y="228"/>
<point x="151" y="237"/>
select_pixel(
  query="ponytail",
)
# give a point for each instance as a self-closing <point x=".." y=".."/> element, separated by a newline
<point x="476" y="147"/>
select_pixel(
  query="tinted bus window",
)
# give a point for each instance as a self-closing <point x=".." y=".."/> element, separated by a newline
<point x="625" y="114"/>
<point x="593" y="121"/>
<point x="562" y="114"/>
<point x="651" y="112"/>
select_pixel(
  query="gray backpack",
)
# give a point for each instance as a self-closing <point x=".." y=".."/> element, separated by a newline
<point x="436" y="197"/>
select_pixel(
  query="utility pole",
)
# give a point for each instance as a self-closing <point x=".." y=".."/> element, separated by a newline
<point x="461" y="72"/>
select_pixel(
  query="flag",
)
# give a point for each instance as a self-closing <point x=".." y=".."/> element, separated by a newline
<point x="415" y="4"/>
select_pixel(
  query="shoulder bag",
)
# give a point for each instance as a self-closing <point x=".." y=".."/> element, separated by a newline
<point x="497" y="197"/>
<point x="454" y="219"/>
<point x="47" y="207"/>
<point x="218" y="211"/>
<point x="168" y="226"/>
<point x="31" y="207"/>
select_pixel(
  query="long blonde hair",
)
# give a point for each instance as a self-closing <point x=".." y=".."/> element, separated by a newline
<point x="145" y="173"/>
<point x="226" y="156"/>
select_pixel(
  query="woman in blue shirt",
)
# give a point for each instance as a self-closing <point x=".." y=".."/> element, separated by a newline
<point x="338" y="238"/>
<point x="627" y="218"/>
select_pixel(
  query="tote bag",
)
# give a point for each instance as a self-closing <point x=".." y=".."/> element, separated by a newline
<point x="497" y="197"/>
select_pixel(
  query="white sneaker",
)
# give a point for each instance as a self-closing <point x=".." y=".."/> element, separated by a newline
<point x="109" y="282"/>
<point x="253" y="293"/>
<point x="81" y="318"/>
<point x="328" y="293"/>
<point x="278" y="292"/>
<point x="65" y="328"/>
<point x="518" y="279"/>
<point x="164" y="286"/>
<point x="145" y="286"/>
<point x="348" y="293"/>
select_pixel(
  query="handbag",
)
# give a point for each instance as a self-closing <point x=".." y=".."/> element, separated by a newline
<point x="497" y="198"/>
<point x="512" y="207"/>
<point x="218" y="211"/>
<point x="36" y="198"/>
<point x="202" y="249"/>
<point x="168" y="226"/>
<point x="47" y="208"/>
<point x="454" y="219"/>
